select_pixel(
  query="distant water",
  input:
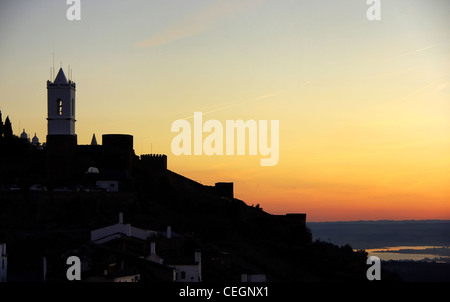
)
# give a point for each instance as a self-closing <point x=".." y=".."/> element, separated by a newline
<point x="424" y="253"/>
<point x="384" y="233"/>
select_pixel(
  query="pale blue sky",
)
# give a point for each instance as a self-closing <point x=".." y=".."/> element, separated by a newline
<point x="164" y="54"/>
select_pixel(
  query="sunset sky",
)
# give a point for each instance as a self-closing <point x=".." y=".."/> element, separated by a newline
<point x="363" y="106"/>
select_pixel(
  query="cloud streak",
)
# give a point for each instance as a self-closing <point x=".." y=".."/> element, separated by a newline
<point x="198" y="22"/>
<point x="417" y="51"/>
<point x="222" y="107"/>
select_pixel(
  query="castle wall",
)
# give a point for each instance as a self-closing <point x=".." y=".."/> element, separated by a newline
<point x="154" y="161"/>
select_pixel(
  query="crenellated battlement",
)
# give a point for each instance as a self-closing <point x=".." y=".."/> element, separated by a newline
<point x="152" y="161"/>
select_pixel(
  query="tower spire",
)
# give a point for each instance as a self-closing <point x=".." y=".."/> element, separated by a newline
<point x="94" y="141"/>
<point x="61" y="105"/>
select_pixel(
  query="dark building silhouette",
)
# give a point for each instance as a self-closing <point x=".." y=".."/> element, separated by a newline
<point x="235" y="238"/>
<point x="111" y="162"/>
<point x="154" y="161"/>
<point x="118" y="155"/>
<point x="224" y="189"/>
<point x="68" y="163"/>
<point x="61" y="158"/>
<point x="62" y="165"/>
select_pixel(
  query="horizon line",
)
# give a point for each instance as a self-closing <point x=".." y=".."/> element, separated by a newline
<point x="381" y="220"/>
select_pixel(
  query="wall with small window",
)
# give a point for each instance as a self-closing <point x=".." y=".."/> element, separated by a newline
<point x="187" y="273"/>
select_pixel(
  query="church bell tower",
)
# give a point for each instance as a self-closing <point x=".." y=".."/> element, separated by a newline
<point x="61" y="106"/>
<point x="61" y="136"/>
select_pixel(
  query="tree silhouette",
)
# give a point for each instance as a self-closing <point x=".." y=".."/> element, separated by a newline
<point x="1" y="125"/>
<point x="7" y="131"/>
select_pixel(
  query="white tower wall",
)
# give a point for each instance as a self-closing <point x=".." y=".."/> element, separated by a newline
<point x="61" y="106"/>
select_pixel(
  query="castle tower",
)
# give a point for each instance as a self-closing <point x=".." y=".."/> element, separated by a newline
<point x="61" y="137"/>
<point x="61" y="106"/>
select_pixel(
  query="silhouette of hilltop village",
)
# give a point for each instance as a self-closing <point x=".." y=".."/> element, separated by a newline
<point x="57" y="197"/>
<point x="110" y="166"/>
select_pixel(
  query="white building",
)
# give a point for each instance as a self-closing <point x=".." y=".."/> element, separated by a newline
<point x="114" y="231"/>
<point x="190" y="271"/>
<point x="186" y="272"/>
<point x="3" y="263"/>
<point x="131" y="278"/>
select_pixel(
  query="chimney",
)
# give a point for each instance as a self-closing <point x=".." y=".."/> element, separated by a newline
<point x="198" y="256"/>
<point x="121" y="218"/>
<point x="152" y="248"/>
<point x="44" y="269"/>
<point x="129" y="230"/>
<point x="198" y="260"/>
<point x="3" y="263"/>
<point x="169" y="232"/>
